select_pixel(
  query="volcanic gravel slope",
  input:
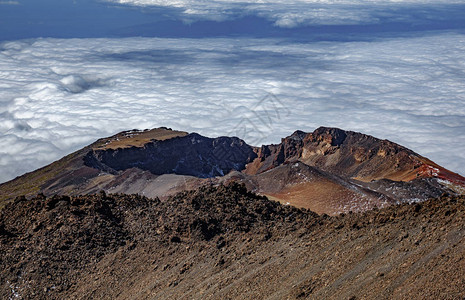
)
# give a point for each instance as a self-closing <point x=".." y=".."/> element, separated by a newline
<point x="226" y="243"/>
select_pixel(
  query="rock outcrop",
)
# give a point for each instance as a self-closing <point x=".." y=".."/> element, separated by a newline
<point x="193" y="155"/>
<point x="349" y="154"/>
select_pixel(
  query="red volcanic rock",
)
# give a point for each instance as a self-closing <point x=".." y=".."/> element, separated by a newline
<point x="350" y="154"/>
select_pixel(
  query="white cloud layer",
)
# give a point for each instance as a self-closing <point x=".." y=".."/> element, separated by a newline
<point x="59" y="95"/>
<point x="293" y="13"/>
<point x="9" y="2"/>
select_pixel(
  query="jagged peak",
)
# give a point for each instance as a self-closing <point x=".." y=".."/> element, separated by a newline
<point x="299" y="133"/>
<point x="333" y="136"/>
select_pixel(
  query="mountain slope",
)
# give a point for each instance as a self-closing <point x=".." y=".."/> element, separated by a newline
<point x="329" y="170"/>
<point x="300" y="185"/>
<point x="226" y="243"/>
<point x="350" y="154"/>
<point x="134" y="162"/>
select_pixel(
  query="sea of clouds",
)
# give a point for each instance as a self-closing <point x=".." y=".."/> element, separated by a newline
<point x="58" y="95"/>
<point x="395" y="70"/>
<point x="295" y="13"/>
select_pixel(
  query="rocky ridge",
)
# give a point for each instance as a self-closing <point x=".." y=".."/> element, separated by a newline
<point x="227" y="243"/>
<point x="350" y="154"/>
<point x="328" y="171"/>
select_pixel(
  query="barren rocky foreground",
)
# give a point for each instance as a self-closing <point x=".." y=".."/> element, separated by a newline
<point x="226" y="243"/>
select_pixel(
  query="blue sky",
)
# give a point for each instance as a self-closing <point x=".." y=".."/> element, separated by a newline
<point x="74" y="71"/>
<point x="299" y="19"/>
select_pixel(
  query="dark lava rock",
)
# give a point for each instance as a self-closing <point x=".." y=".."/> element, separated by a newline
<point x="193" y="155"/>
<point x="50" y="241"/>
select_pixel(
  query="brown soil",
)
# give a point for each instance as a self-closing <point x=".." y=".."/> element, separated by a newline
<point x="226" y="243"/>
<point x="306" y="187"/>
<point x="324" y="197"/>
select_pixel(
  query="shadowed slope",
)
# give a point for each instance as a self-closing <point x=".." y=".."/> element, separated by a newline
<point x="191" y="154"/>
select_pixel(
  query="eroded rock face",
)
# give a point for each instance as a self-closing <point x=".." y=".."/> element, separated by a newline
<point x="193" y="154"/>
<point x="345" y="153"/>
